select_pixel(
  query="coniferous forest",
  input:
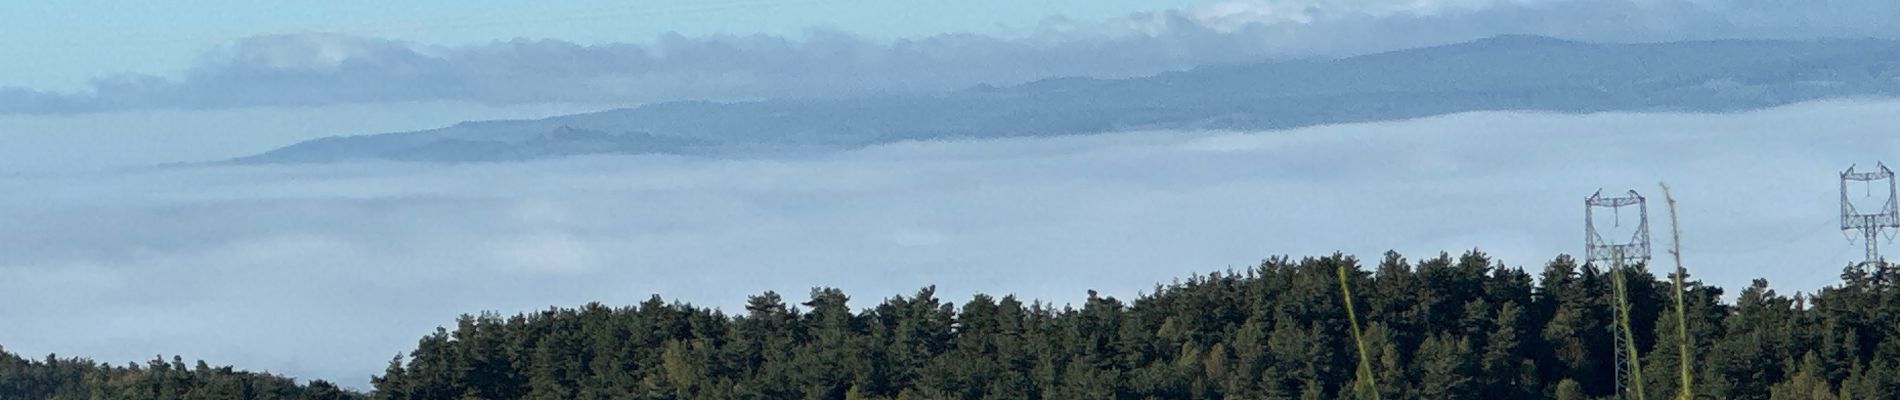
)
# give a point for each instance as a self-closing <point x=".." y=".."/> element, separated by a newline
<point x="77" y="378"/>
<point x="1446" y="327"/>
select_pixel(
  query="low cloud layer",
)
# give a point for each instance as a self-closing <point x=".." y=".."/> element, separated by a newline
<point x="329" y="69"/>
<point x="328" y="271"/>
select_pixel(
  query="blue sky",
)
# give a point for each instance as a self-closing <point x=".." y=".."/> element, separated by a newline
<point x="73" y="42"/>
<point x="93" y="57"/>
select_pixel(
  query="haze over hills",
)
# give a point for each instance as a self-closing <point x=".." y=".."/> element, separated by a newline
<point x="1501" y="73"/>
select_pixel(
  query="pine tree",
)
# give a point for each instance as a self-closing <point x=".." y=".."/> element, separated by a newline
<point x="1447" y="369"/>
<point x="1569" y="389"/>
<point x="1507" y="372"/>
<point x="1805" y="384"/>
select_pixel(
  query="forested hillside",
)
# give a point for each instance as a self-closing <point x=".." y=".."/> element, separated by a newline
<point x="77" y="378"/>
<point x="1440" y="328"/>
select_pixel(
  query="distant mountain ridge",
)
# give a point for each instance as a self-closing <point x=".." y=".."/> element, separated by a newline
<point x="464" y="146"/>
<point x="1501" y="73"/>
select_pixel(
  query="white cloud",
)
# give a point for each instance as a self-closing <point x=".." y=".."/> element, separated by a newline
<point x="549" y="252"/>
<point x="1231" y="15"/>
<point x="327" y="271"/>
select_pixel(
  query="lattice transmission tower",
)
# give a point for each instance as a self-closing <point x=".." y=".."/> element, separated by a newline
<point x="1870" y="223"/>
<point x="1620" y="254"/>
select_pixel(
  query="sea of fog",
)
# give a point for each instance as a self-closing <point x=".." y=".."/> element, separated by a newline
<point x="329" y="271"/>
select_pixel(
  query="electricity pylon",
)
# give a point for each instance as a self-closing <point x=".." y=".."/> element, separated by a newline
<point x="1870" y="222"/>
<point x="1629" y="371"/>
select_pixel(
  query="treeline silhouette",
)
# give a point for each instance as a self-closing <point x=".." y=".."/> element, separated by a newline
<point x="1441" y="328"/>
<point x="1446" y="327"/>
<point x="77" y="378"/>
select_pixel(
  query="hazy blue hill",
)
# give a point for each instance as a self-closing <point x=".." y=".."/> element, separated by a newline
<point x="1500" y="73"/>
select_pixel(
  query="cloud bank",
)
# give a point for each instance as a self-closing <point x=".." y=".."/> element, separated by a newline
<point x="329" y="69"/>
<point x="326" y="272"/>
